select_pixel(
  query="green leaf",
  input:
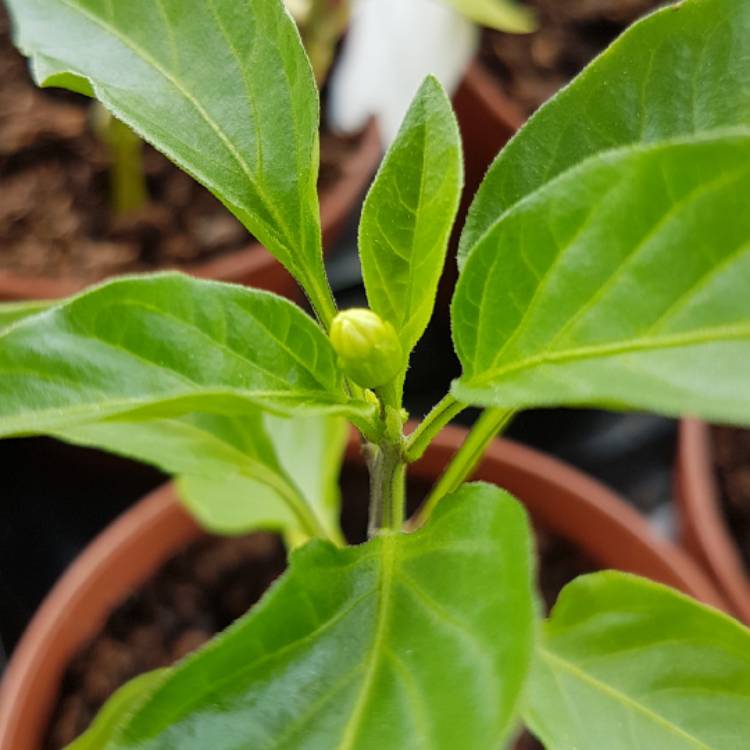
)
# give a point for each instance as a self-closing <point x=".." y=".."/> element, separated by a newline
<point x="238" y="474"/>
<point x="310" y="452"/>
<point x="121" y="705"/>
<point x="228" y="474"/>
<point x="12" y="312"/>
<point x="681" y="71"/>
<point x="223" y="88"/>
<point x="234" y="504"/>
<point x="409" y="212"/>
<point x="623" y="283"/>
<point x="503" y="15"/>
<point x="366" y="646"/>
<point x="165" y="346"/>
<point x="207" y="445"/>
<point x="626" y="664"/>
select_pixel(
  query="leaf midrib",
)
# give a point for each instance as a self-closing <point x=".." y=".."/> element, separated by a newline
<point x="554" y="661"/>
<point x="388" y="562"/>
<point x="120" y="407"/>
<point x="691" y="338"/>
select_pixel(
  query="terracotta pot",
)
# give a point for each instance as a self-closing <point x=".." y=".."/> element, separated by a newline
<point x="487" y="118"/>
<point x="252" y="265"/>
<point x="703" y="529"/>
<point x="130" y="551"/>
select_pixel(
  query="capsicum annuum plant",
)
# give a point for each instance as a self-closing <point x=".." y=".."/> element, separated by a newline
<point x="605" y="261"/>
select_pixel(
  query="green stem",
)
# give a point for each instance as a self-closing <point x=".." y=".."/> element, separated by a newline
<point x="430" y="426"/>
<point x="387" y="487"/>
<point x="128" y="192"/>
<point x="485" y="429"/>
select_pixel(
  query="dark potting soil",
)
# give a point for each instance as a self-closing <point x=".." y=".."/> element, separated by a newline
<point x="532" y="67"/>
<point x="732" y="457"/>
<point x="55" y="216"/>
<point x="203" y="589"/>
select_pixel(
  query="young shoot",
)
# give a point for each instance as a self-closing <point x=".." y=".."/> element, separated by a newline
<point x="127" y="179"/>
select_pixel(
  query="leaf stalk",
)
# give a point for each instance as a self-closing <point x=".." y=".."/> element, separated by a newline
<point x="485" y="429"/>
<point x="442" y="413"/>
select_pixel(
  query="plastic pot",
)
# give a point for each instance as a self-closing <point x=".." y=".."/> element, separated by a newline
<point x="252" y="265"/>
<point x="703" y="529"/>
<point x="127" y="553"/>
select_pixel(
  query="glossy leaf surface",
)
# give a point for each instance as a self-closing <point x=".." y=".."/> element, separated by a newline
<point x="223" y="88"/>
<point x="364" y="647"/>
<point x="408" y="215"/>
<point x="159" y="347"/>
<point x="623" y="283"/>
<point x="682" y="71"/>
<point x="627" y="664"/>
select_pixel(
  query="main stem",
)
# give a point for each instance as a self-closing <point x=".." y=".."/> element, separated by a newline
<point x="485" y="429"/>
<point x="387" y="487"/>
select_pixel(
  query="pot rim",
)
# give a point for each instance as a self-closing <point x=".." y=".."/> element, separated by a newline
<point x="249" y="262"/>
<point x="704" y="529"/>
<point x="128" y="551"/>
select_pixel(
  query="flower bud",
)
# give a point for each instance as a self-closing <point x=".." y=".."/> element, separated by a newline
<point x="367" y="346"/>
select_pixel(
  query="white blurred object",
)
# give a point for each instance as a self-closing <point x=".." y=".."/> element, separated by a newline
<point x="392" y="45"/>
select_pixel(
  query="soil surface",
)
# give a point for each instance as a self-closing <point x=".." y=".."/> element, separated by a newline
<point x="732" y="456"/>
<point x="202" y="590"/>
<point x="532" y="67"/>
<point x="55" y="215"/>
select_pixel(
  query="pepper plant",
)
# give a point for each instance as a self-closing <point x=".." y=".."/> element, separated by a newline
<point x="605" y="261"/>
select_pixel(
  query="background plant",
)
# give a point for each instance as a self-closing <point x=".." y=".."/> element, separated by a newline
<point x="605" y="261"/>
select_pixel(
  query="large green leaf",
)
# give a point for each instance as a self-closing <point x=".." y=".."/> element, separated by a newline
<point x="504" y="15"/>
<point x="408" y="215"/>
<point x="408" y="641"/>
<point x="626" y="664"/>
<point x="682" y="71"/>
<point x="163" y="346"/>
<point x="221" y="87"/>
<point x="623" y="283"/>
